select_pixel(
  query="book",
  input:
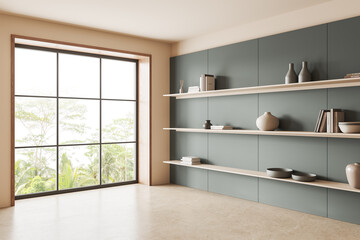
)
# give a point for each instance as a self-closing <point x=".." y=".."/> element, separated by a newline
<point x="352" y="75"/>
<point x="221" y="127"/>
<point x="338" y="117"/>
<point x="332" y="126"/>
<point x="190" y="158"/>
<point x="193" y="89"/>
<point x="191" y="163"/>
<point x="328" y="122"/>
<point x="323" y="121"/>
<point x="317" y="125"/>
<point x="210" y="83"/>
<point x="333" y="123"/>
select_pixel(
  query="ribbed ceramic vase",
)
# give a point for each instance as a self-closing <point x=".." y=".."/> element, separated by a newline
<point x="291" y="76"/>
<point x="304" y="75"/>
<point x="353" y="175"/>
<point x="267" y="122"/>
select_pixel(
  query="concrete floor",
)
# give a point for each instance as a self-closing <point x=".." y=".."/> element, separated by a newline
<point x="161" y="212"/>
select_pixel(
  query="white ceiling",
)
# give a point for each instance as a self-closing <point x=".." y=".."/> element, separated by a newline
<point x="167" y="20"/>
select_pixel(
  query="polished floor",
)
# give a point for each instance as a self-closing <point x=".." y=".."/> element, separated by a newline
<point x="161" y="212"/>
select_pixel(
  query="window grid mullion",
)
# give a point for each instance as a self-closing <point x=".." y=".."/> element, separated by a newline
<point x="100" y="128"/>
<point x="77" y="98"/>
<point x="74" y="144"/>
<point x="57" y="122"/>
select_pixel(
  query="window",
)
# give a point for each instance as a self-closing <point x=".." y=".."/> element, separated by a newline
<point x="75" y="121"/>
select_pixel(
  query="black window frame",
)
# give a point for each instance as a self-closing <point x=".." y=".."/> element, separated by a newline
<point x="100" y="99"/>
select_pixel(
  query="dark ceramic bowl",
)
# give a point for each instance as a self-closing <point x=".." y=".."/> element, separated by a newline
<point x="303" y="177"/>
<point x="279" y="172"/>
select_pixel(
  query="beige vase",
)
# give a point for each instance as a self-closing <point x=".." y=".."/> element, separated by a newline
<point x="353" y="175"/>
<point x="267" y="122"/>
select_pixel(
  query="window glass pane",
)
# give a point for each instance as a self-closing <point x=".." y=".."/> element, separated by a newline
<point x="78" y="166"/>
<point x="79" y="121"/>
<point x="118" y="79"/>
<point x="79" y="76"/>
<point x="35" y="121"/>
<point x="38" y="73"/>
<point x="118" y="162"/>
<point x="35" y="170"/>
<point x="118" y="121"/>
<point x="35" y="72"/>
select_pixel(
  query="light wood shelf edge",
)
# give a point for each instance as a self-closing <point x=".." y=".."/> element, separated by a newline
<point x="335" y="83"/>
<point x="269" y="133"/>
<point x="317" y="183"/>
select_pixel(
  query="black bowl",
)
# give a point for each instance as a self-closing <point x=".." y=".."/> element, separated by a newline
<point x="279" y="172"/>
<point x="303" y="177"/>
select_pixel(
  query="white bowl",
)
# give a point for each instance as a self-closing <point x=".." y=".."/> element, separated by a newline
<point x="349" y="127"/>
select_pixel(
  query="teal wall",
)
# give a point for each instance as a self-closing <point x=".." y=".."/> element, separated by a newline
<point x="332" y="50"/>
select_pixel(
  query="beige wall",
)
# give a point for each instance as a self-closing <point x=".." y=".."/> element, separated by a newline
<point x="319" y="14"/>
<point x="48" y="30"/>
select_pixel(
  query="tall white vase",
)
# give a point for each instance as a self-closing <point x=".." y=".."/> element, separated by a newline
<point x="353" y="175"/>
<point x="267" y="122"/>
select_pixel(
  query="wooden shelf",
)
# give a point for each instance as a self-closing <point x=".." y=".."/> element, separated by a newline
<point x="317" y="183"/>
<point x="269" y="133"/>
<point x="336" y="83"/>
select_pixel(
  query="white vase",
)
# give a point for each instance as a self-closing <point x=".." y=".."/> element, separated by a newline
<point x="267" y="122"/>
<point x="353" y="175"/>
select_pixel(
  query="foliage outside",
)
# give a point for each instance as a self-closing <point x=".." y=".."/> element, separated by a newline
<point x="35" y="168"/>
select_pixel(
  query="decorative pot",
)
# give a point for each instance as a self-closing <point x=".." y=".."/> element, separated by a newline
<point x="291" y="76"/>
<point x="207" y="124"/>
<point x="267" y="122"/>
<point x="353" y="175"/>
<point x="304" y="75"/>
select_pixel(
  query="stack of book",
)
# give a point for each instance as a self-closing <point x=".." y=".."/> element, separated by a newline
<point x="193" y="89"/>
<point x="221" y="127"/>
<point x="190" y="160"/>
<point x="328" y="120"/>
<point x="352" y="75"/>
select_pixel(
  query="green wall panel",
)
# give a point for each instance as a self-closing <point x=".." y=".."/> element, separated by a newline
<point x="190" y="113"/>
<point x="341" y="152"/>
<point x="347" y="99"/>
<point x="236" y="151"/>
<point x="297" y="111"/>
<point x="189" y="68"/>
<point x="277" y="51"/>
<point x="299" y="153"/>
<point x="237" y="111"/>
<point x="344" y="47"/>
<point x="235" y="65"/>
<point x="264" y="62"/>
<point x="188" y="144"/>
<point x="189" y="177"/>
<point x="293" y="196"/>
<point x="233" y="185"/>
<point x="344" y="206"/>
